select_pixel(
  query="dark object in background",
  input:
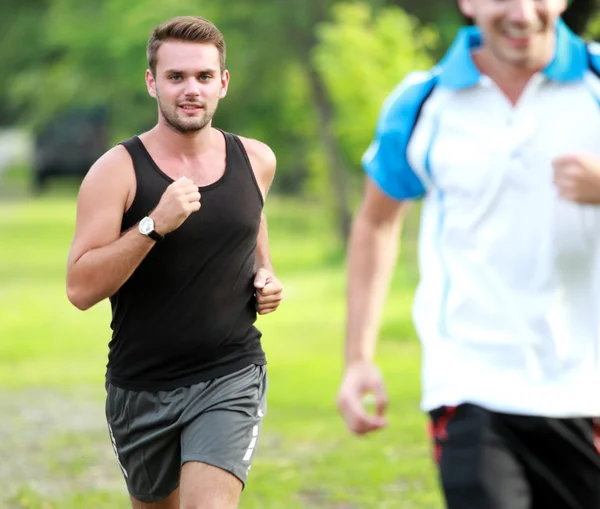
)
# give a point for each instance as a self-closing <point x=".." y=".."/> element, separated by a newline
<point x="579" y="14"/>
<point x="68" y="145"/>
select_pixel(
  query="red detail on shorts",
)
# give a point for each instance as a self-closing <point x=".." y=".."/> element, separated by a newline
<point x="596" y="430"/>
<point x="438" y="431"/>
<point x="437" y="453"/>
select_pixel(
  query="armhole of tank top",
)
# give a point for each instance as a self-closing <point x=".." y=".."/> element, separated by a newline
<point x="249" y="166"/>
<point x="133" y="149"/>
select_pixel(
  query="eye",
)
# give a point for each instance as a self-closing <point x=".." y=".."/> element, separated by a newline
<point x="175" y="77"/>
<point x="205" y="77"/>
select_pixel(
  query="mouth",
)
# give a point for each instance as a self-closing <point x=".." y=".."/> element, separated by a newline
<point x="521" y="37"/>
<point x="191" y="108"/>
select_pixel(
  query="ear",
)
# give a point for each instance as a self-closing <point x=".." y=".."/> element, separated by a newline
<point x="467" y="8"/>
<point x="224" y="83"/>
<point x="150" y="83"/>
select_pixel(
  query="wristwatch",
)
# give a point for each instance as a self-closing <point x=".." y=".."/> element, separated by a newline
<point x="146" y="227"/>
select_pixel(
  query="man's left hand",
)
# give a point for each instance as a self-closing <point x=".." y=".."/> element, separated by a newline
<point x="577" y="177"/>
<point x="269" y="291"/>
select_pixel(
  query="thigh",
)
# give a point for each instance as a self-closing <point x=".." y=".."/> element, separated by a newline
<point x="563" y="462"/>
<point x="171" y="502"/>
<point x="225" y="435"/>
<point x="205" y="486"/>
<point x="146" y="440"/>
<point x="477" y="468"/>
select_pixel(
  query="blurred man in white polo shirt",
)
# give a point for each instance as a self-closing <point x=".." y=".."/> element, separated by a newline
<point x="501" y="140"/>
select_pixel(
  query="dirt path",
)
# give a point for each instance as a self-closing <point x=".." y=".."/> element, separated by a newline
<point x="52" y="441"/>
<point x="56" y="444"/>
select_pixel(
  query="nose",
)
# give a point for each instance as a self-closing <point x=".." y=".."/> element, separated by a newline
<point x="191" y="87"/>
<point x="523" y="11"/>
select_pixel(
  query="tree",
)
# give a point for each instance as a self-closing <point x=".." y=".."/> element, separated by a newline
<point x="579" y="13"/>
<point x="20" y="48"/>
<point x="593" y="28"/>
<point x="362" y="57"/>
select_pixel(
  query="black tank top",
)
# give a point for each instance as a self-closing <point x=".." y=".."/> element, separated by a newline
<point x="187" y="313"/>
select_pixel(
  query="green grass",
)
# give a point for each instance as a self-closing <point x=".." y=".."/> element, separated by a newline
<point x="306" y="458"/>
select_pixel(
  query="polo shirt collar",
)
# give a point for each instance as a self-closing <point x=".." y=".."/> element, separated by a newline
<point x="458" y="71"/>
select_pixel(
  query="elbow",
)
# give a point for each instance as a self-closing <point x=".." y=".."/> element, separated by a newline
<point x="77" y="298"/>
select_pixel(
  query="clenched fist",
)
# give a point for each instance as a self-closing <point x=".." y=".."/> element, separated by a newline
<point x="577" y="178"/>
<point x="176" y="204"/>
<point x="269" y="292"/>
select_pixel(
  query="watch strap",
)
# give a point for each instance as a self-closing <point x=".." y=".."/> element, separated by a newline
<point x="154" y="235"/>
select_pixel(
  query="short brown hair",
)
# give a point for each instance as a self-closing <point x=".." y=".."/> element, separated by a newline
<point x="187" y="29"/>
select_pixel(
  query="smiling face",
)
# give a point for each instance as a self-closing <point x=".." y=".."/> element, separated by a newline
<point x="187" y="83"/>
<point x="517" y="33"/>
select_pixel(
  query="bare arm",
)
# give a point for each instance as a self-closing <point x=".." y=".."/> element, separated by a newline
<point x="373" y="250"/>
<point x="269" y="289"/>
<point x="100" y="259"/>
<point x="263" y="254"/>
<point x="263" y="163"/>
<point x="372" y="253"/>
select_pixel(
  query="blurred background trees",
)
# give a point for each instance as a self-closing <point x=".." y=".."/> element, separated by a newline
<point x="308" y="76"/>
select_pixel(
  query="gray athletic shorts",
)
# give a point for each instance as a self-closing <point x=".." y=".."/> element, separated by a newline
<point x="216" y="422"/>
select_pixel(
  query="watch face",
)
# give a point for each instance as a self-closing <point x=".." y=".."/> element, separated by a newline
<point x="146" y="225"/>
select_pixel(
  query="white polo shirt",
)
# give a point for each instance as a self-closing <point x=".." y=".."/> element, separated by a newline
<point x="508" y="305"/>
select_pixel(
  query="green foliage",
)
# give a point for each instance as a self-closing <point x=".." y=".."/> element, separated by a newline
<point x="270" y="96"/>
<point x="79" y="53"/>
<point x="444" y="15"/>
<point x="20" y="50"/>
<point x="593" y="30"/>
<point x="102" y="64"/>
<point x="361" y="57"/>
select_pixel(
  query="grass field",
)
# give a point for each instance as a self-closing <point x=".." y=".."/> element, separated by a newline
<point x="53" y="439"/>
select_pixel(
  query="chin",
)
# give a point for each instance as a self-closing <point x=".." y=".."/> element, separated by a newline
<point x="521" y="60"/>
<point x="185" y="127"/>
<point x="193" y="128"/>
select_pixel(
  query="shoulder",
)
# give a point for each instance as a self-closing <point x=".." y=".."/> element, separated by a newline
<point x="112" y="173"/>
<point x="405" y="101"/>
<point x="112" y="162"/>
<point x="260" y="154"/>
<point x="263" y="162"/>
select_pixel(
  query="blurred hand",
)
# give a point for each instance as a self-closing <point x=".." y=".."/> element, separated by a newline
<point x="269" y="292"/>
<point x="176" y="204"/>
<point x="360" y="381"/>
<point x="577" y="177"/>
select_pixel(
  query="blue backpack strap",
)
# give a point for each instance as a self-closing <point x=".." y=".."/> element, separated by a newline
<point x="386" y="160"/>
<point x="594" y="57"/>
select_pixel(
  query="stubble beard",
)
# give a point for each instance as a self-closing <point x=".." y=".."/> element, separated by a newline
<point x="192" y="125"/>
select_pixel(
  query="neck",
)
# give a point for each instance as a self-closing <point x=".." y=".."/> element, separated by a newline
<point x="511" y="79"/>
<point x="183" y="144"/>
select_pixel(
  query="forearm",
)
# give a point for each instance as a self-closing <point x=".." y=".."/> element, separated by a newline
<point x="100" y="272"/>
<point x="372" y="255"/>
<point x="262" y="258"/>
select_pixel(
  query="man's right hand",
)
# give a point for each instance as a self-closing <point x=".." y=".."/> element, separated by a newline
<point x="361" y="380"/>
<point x="178" y="201"/>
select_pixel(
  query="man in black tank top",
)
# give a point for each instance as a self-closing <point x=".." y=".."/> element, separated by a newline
<point x="170" y="228"/>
